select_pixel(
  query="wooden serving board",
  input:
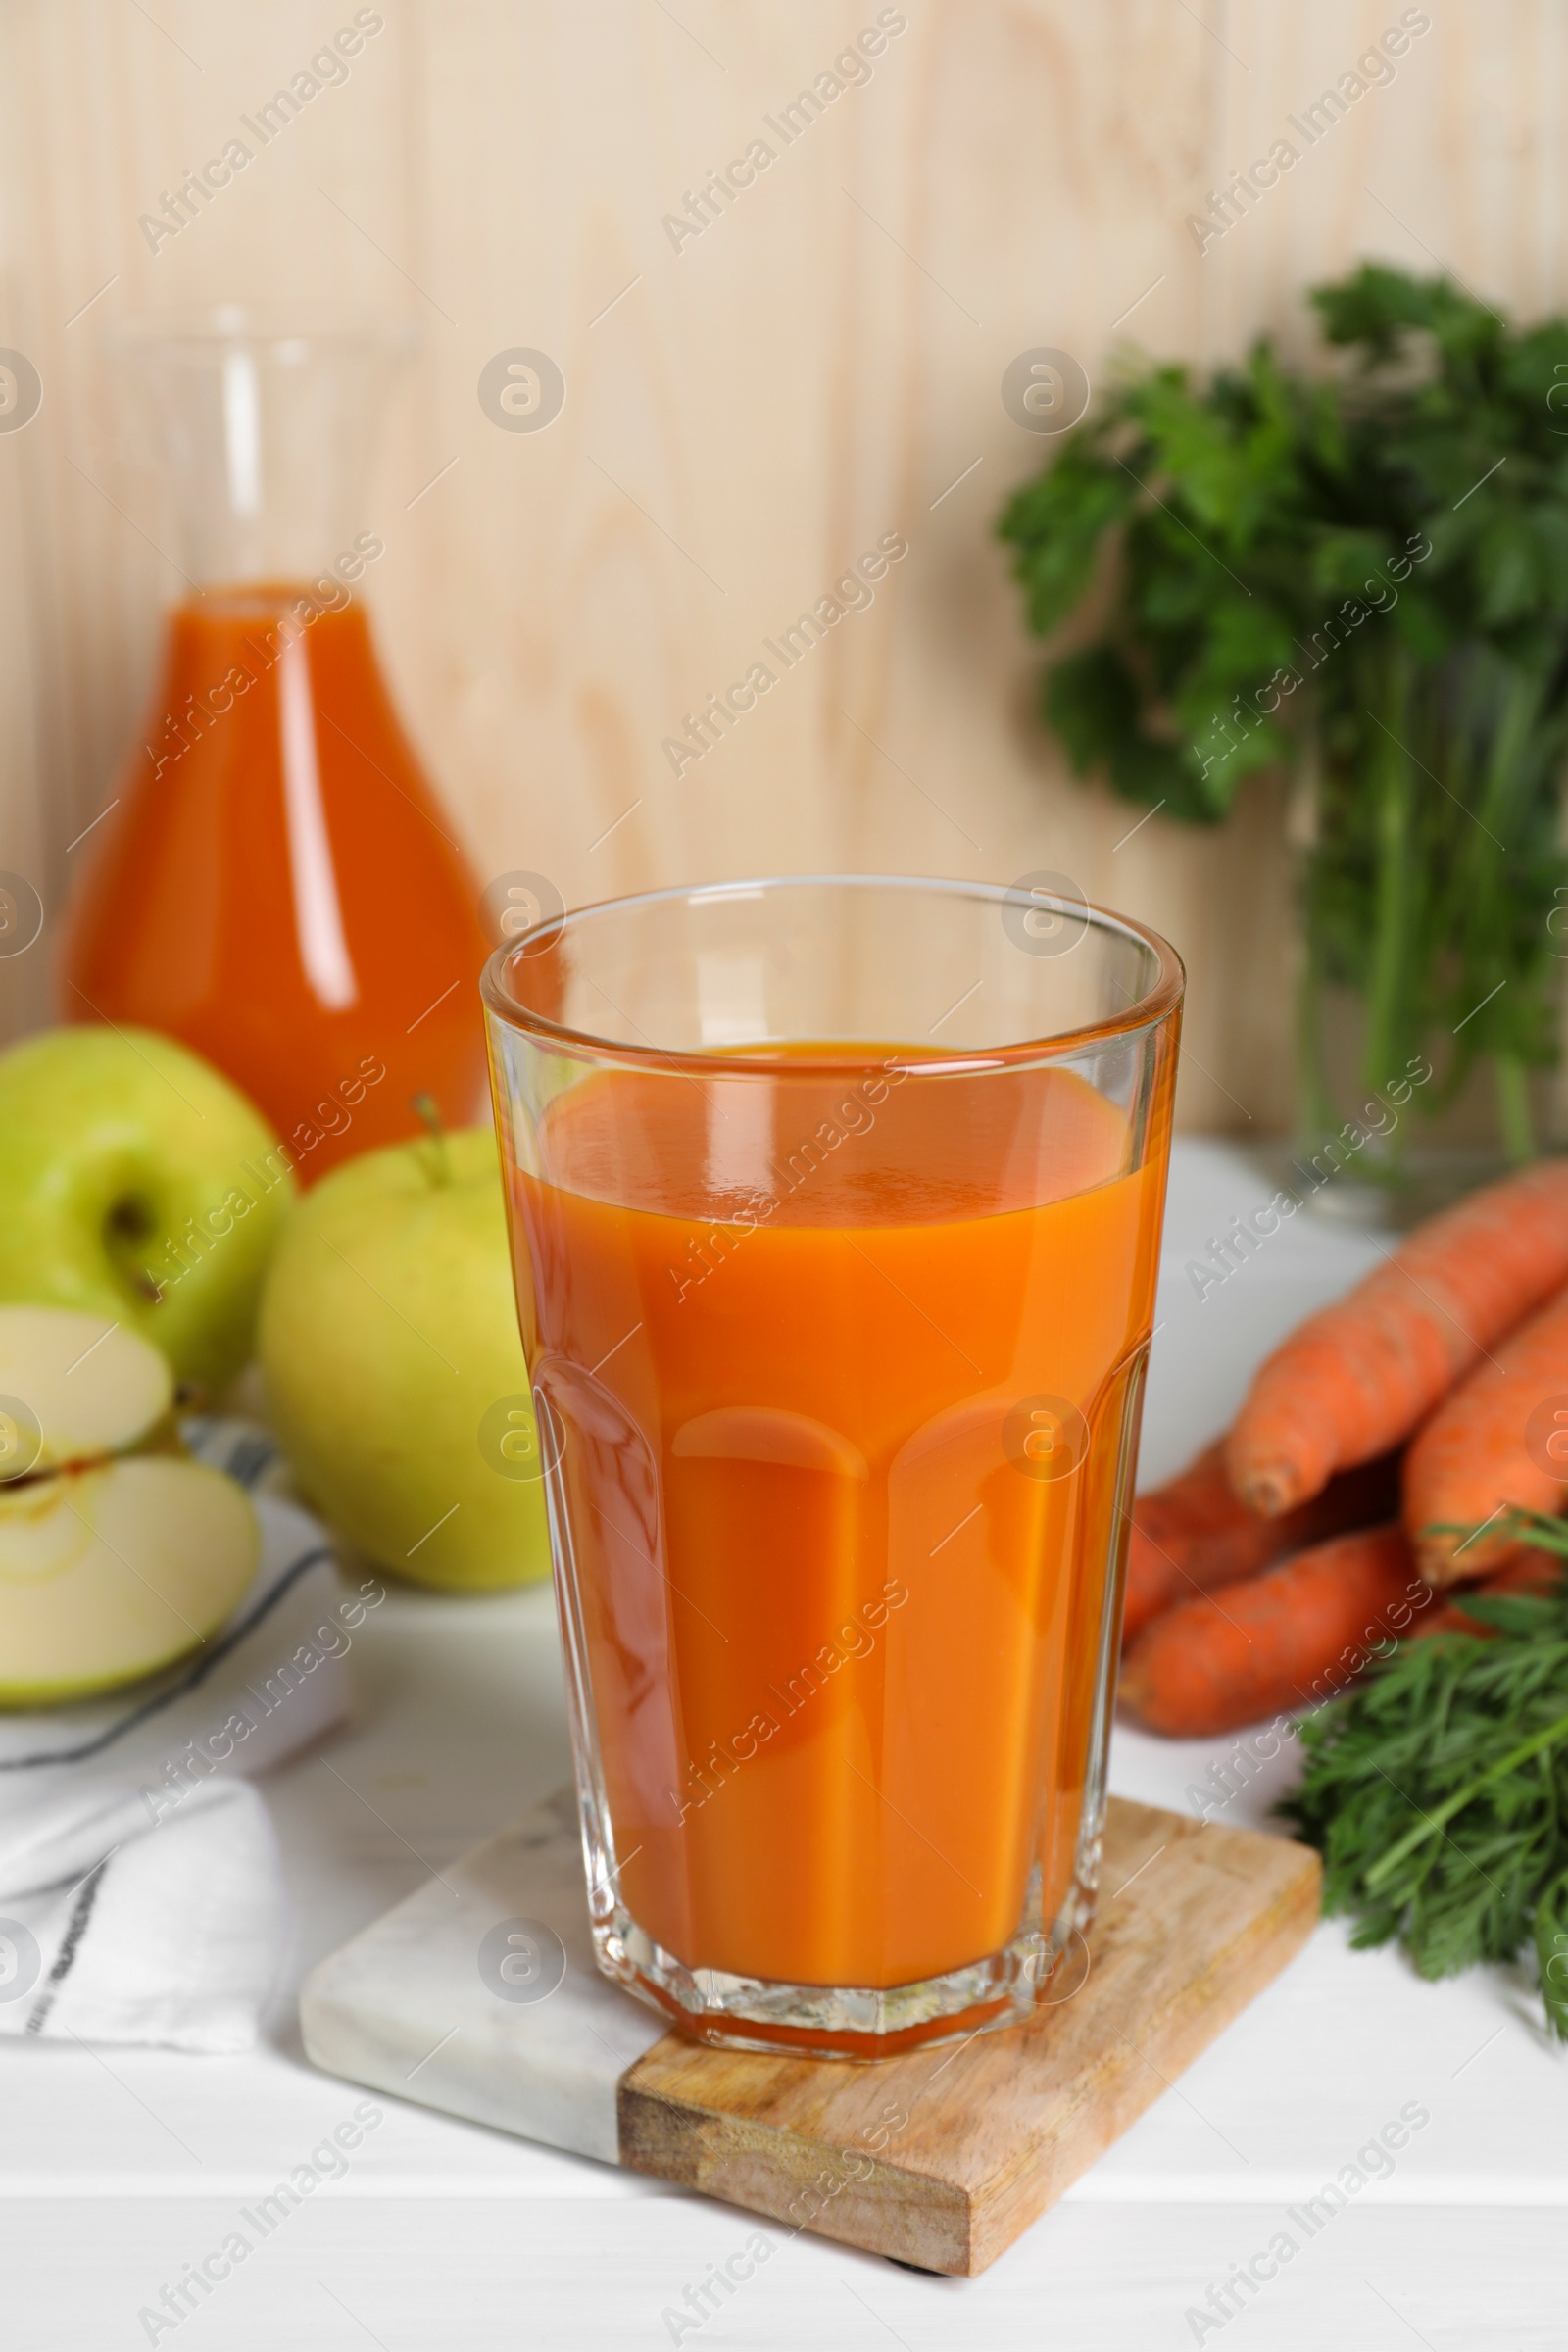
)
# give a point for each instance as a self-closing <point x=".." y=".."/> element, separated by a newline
<point x="939" y="2158"/>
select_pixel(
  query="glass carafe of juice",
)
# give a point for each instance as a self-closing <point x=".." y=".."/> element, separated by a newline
<point x="276" y="883"/>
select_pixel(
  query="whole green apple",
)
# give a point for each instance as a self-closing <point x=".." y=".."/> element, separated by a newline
<point x="394" y="1373"/>
<point x="137" y="1182"/>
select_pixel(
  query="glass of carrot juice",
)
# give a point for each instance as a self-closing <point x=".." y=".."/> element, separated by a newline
<point x="835" y="1207"/>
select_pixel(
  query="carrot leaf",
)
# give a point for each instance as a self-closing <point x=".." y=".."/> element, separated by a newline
<point x="1436" y="1791"/>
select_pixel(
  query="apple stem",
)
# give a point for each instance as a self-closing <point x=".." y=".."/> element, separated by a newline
<point x="427" y="1108"/>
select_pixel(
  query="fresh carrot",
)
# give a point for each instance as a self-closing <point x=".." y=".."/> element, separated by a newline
<point x="1297" y="1633"/>
<point x="1485" y="1446"/>
<point x="1356" y="1379"/>
<point x="1193" y="1534"/>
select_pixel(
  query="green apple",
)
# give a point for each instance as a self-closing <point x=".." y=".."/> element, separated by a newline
<point x="118" y="1555"/>
<point x="138" y="1184"/>
<point x="393" y="1368"/>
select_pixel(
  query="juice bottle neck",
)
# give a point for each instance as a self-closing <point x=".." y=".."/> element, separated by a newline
<point x="264" y="427"/>
<point x="271" y="615"/>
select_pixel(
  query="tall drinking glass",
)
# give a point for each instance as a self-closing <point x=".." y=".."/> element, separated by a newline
<point x="835" y="1207"/>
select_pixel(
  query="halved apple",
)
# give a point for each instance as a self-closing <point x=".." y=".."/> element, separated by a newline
<point x="113" y="1562"/>
<point x="86" y="1387"/>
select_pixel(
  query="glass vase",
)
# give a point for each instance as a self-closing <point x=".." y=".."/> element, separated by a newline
<point x="1432" y="881"/>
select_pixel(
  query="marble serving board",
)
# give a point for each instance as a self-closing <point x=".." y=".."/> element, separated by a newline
<point x="479" y="1995"/>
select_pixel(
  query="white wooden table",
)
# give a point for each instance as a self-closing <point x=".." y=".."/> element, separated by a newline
<point x="119" y="2168"/>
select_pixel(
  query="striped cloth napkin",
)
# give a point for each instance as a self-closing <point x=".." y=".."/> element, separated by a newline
<point x="141" y="1895"/>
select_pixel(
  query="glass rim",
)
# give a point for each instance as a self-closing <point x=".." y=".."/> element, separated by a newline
<point x="1146" y="1011"/>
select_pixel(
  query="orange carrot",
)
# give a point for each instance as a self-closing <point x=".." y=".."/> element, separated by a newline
<point x="1193" y="1534"/>
<point x="1297" y="1634"/>
<point x="1356" y="1379"/>
<point x="1489" y="1445"/>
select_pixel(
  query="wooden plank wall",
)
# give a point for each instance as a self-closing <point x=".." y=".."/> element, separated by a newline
<point x="743" y="414"/>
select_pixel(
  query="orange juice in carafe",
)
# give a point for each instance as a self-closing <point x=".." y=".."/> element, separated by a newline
<point x="279" y="888"/>
<point x="273" y="881"/>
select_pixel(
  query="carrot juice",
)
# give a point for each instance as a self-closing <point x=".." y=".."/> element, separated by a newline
<point x="838" y="1457"/>
<point x="837" y="1347"/>
<point x="275" y="885"/>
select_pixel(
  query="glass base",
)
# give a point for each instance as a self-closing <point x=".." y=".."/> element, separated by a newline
<point x="1382" y="1197"/>
<point x="858" y="2022"/>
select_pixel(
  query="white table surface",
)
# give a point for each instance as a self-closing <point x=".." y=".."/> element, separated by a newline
<point x="119" y="2168"/>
